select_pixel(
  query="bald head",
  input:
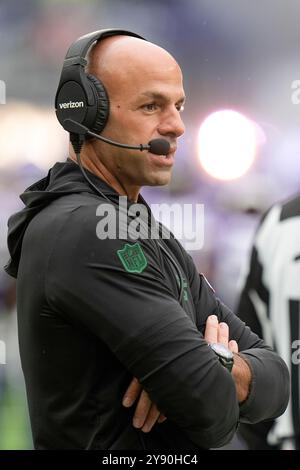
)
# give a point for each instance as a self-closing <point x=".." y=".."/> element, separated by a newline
<point x="146" y="95"/>
<point x="116" y="59"/>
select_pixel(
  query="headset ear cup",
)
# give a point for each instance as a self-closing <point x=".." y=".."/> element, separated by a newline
<point x="102" y="104"/>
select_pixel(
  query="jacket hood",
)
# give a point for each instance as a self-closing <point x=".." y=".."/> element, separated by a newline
<point x="62" y="179"/>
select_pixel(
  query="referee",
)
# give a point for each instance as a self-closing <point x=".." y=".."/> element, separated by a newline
<point x="270" y="305"/>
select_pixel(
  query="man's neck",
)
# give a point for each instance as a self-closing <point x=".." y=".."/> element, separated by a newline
<point x="95" y="166"/>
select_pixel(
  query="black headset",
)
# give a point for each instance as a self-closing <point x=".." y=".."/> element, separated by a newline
<point x="82" y="97"/>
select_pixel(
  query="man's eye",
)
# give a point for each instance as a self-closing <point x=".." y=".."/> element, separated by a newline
<point x="180" y="107"/>
<point x="150" y="107"/>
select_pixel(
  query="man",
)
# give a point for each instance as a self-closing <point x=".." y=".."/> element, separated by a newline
<point x="270" y="305"/>
<point x="105" y="323"/>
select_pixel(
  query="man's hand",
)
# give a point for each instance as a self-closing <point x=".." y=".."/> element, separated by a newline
<point x="146" y="413"/>
<point x="216" y="332"/>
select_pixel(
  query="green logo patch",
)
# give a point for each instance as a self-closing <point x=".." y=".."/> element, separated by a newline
<point x="133" y="258"/>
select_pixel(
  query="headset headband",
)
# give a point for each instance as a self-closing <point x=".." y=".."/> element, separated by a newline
<point x="81" y="46"/>
<point x="80" y="96"/>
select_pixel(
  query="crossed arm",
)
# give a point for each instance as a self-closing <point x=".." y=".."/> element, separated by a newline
<point x="162" y="346"/>
<point x="146" y="412"/>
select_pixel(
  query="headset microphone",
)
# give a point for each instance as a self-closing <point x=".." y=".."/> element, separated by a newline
<point x="156" y="146"/>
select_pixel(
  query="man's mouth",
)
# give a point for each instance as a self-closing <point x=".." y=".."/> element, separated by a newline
<point x="170" y="154"/>
<point x="163" y="160"/>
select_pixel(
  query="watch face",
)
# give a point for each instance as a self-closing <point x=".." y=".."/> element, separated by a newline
<point x="222" y="351"/>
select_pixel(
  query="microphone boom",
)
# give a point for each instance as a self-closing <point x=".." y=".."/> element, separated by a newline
<point x="155" y="146"/>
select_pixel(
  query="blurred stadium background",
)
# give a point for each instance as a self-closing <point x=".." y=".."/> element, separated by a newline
<point x="241" y="56"/>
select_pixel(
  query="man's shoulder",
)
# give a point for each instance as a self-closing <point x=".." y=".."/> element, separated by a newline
<point x="87" y="224"/>
<point x="74" y="207"/>
<point x="290" y="208"/>
<point x="281" y="211"/>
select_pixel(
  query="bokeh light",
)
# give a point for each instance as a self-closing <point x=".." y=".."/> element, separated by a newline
<point x="227" y="144"/>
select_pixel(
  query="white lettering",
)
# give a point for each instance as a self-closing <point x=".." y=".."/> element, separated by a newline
<point x="296" y="354"/>
<point x="138" y="228"/>
<point x="116" y="460"/>
<point x="71" y="104"/>
<point x="107" y="226"/>
<point x="194" y="237"/>
<point x="170" y="215"/>
<point x="185" y="221"/>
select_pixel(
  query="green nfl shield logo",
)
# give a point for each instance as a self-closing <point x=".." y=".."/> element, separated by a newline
<point x="133" y="258"/>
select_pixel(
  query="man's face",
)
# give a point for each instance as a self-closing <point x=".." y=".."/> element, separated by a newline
<point x="144" y="105"/>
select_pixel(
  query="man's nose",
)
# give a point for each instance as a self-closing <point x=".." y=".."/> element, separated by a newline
<point x="172" y="123"/>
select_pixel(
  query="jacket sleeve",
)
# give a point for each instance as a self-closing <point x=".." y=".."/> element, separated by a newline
<point x="269" y="392"/>
<point x="136" y="315"/>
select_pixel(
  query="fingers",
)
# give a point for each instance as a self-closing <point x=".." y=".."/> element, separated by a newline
<point x="132" y="393"/>
<point x="223" y="334"/>
<point x="151" y="419"/>
<point x="211" y="329"/>
<point x="142" y="410"/>
<point x="146" y="413"/>
<point x="216" y="332"/>
<point x="233" y="346"/>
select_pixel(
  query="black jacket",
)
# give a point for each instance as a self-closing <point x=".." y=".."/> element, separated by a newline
<point x="88" y="323"/>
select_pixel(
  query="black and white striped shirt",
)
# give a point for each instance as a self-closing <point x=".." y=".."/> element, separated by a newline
<point x="270" y="302"/>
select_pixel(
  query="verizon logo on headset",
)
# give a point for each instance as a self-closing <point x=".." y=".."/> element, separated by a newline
<point x="71" y="104"/>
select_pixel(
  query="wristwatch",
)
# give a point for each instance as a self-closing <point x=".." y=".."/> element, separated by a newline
<point x="224" y="354"/>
